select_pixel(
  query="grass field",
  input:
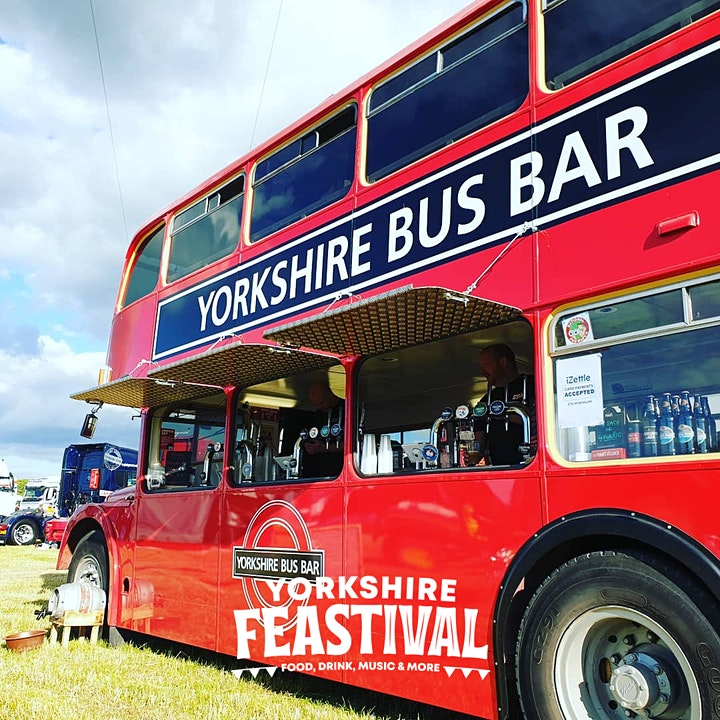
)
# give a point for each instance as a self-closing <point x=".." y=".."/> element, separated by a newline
<point x="157" y="682"/>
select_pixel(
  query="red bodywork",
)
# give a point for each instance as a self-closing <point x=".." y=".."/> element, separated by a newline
<point x="175" y="560"/>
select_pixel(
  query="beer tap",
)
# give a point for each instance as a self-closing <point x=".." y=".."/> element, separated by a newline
<point x="296" y="462"/>
<point x="245" y="459"/>
<point x="440" y="435"/>
<point x="522" y="410"/>
<point x="212" y="448"/>
<point x="245" y="447"/>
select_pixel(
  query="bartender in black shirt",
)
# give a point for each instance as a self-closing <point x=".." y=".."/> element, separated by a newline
<point x="505" y="432"/>
<point x="322" y="458"/>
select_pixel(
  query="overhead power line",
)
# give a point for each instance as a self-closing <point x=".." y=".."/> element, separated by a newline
<point x="267" y="69"/>
<point x="107" y="110"/>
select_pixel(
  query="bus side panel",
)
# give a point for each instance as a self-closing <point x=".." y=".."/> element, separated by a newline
<point x="455" y="534"/>
<point x="131" y="336"/>
<point x="660" y="491"/>
<point x="269" y="536"/>
<point x="176" y="558"/>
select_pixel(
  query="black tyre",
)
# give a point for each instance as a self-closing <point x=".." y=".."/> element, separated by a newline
<point x="89" y="562"/>
<point x="614" y="635"/>
<point x="24" y="532"/>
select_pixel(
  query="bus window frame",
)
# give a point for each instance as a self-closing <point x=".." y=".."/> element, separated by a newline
<point x="477" y="124"/>
<point x="156" y="234"/>
<point x="312" y="130"/>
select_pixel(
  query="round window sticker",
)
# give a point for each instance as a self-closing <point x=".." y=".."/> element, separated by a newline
<point x="577" y="330"/>
<point x="112" y="459"/>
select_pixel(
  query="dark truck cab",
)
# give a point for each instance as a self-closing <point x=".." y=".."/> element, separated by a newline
<point x="90" y="472"/>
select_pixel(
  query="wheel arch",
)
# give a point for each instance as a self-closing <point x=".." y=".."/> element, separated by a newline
<point x="95" y="523"/>
<point x="567" y="537"/>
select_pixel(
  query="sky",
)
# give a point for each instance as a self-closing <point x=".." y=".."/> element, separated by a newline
<point x="92" y="144"/>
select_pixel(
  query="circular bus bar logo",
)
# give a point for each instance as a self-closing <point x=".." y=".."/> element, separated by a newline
<point x="277" y="548"/>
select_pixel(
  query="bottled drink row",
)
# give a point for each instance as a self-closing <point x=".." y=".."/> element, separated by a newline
<point x="673" y="424"/>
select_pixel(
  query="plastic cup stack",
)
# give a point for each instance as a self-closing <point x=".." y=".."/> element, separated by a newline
<point x="369" y="459"/>
<point x="385" y="455"/>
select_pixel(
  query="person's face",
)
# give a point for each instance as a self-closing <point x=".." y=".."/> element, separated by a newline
<point x="492" y="367"/>
<point x="321" y="397"/>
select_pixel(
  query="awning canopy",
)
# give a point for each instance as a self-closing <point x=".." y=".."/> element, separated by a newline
<point x="397" y="319"/>
<point x="140" y="392"/>
<point x="236" y="365"/>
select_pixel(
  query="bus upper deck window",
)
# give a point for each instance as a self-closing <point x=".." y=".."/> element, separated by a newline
<point x="462" y="86"/>
<point x="206" y="231"/>
<point x="582" y="36"/>
<point x="145" y="270"/>
<point x="304" y="176"/>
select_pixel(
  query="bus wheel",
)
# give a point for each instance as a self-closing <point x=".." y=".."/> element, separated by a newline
<point x="24" y="533"/>
<point x="618" y="635"/>
<point x="90" y="562"/>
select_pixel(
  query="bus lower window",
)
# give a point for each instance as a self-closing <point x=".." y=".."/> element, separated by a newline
<point x="291" y="429"/>
<point x="426" y="400"/>
<point x="187" y="447"/>
<point x="469" y="83"/>
<point x="582" y="36"/>
<point x="624" y="394"/>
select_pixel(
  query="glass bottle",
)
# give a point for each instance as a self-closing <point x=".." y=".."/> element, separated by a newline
<point x="700" y="426"/>
<point x="649" y="429"/>
<point x="685" y="432"/>
<point x="675" y="405"/>
<point x="709" y="424"/>
<point x="666" y="427"/>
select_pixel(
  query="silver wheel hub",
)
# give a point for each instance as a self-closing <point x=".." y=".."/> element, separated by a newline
<point x="614" y="662"/>
<point x="640" y="682"/>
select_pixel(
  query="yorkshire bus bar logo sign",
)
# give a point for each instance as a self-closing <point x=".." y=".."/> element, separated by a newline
<point x="278" y="565"/>
<point x="621" y="143"/>
<point x="298" y="617"/>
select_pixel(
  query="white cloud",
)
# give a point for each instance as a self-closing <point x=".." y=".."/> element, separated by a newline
<point x="183" y="80"/>
<point x="37" y="416"/>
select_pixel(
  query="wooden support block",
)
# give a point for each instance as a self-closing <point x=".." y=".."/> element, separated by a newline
<point x="82" y="621"/>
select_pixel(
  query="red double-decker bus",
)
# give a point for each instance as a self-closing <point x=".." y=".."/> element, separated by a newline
<point x="430" y="380"/>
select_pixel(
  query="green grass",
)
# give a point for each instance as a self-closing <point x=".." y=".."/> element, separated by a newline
<point x="157" y="682"/>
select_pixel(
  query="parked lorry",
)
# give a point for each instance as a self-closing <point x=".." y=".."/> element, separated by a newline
<point x="40" y="495"/>
<point x="90" y="472"/>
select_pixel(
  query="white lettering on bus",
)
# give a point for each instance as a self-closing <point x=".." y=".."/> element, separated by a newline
<point x="469" y="202"/>
<point x="429" y="220"/>
<point x="257" y="295"/>
<point x="399" y="229"/>
<point x="575" y="161"/>
<point x="400" y="236"/>
<point x="358" y="249"/>
<point x="337" y="250"/>
<point x="279" y="282"/>
<point x="298" y="272"/>
<point x="425" y="630"/>
<point x="632" y="142"/>
<point x="426" y="239"/>
<point x="397" y="588"/>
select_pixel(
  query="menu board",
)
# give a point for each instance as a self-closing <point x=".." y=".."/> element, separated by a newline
<point x="611" y="434"/>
